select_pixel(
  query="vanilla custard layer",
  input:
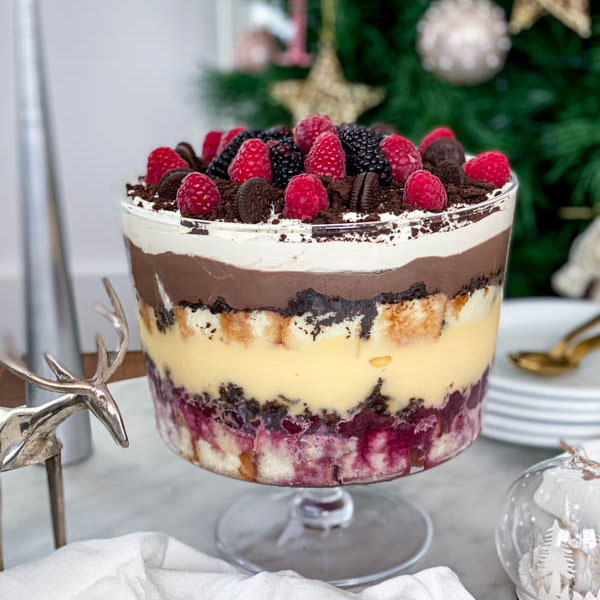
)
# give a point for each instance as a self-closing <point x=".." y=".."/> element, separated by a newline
<point x="421" y="348"/>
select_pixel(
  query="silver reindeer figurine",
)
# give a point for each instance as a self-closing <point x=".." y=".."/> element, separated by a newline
<point x="28" y="434"/>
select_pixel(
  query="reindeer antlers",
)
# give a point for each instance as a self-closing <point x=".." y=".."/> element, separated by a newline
<point x="62" y="384"/>
<point x="106" y="369"/>
<point x="68" y="382"/>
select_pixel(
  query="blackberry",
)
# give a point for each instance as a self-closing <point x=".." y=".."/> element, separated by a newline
<point x="383" y="129"/>
<point x="286" y="161"/>
<point x="217" y="169"/>
<point x="278" y="133"/>
<point x="363" y="153"/>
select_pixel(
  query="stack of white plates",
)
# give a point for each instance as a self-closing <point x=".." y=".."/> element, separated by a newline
<point x="540" y="411"/>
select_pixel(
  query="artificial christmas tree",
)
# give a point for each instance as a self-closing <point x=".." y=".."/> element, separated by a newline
<point x="541" y="110"/>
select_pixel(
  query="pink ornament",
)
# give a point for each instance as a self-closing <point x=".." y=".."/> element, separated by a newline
<point x="255" y="50"/>
<point x="295" y="54"/>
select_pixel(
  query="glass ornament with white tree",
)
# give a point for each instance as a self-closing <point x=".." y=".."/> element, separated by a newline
<point x="548" y="532"/>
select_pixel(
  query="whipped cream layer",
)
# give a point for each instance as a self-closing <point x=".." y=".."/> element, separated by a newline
<point x="394" y="241"/>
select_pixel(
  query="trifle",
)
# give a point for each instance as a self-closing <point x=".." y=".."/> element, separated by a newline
<point x="319" y="306"/>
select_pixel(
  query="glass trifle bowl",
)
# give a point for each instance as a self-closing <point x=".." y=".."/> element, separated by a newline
<point x="316" y="356"/>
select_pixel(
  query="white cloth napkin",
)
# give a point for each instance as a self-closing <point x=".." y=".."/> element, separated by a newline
<point x="153" y="566"/>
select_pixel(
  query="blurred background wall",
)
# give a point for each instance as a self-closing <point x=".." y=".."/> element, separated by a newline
<point x="122" y="80"/>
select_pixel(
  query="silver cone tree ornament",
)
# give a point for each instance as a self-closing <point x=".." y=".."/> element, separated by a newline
<point x="50" y="310"/>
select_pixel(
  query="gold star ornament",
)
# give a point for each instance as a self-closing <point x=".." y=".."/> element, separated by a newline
<point x="325" y="90"/>
<point x="575" y="14"/>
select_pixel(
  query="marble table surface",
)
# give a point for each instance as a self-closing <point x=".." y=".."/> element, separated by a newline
<point x="147" y="487"/>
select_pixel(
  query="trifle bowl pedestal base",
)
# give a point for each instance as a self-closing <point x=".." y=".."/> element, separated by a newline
<point x="344" y="537"/>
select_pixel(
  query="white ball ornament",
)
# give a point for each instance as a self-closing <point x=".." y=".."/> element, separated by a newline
<point x="464" y="42"/>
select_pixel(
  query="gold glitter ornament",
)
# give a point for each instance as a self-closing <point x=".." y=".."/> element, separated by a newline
<point x="464" y="42"/>
<point x="575" y="14"/>
<point x="325" y="90"/>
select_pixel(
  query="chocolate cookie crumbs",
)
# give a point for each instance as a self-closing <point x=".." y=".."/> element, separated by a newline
<point x="254" y="200"/>
<point x="338" y="190"/>
<point x="450" y="171"/>
<point x="367" y="197"/>
<point x="325" y="310"/>
<point x="165" y="317"/>
<point x="170" y="182"/>
<point x="141" y="191"/>
<point x="444" y="149"/>
<point x="355" y="193"/>
<point x="471" y="192"/>
<point x="186" y="151"/>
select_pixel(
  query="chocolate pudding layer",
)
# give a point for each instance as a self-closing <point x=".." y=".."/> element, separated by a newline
<point x="317" y="355"/>
<point x="214" y="283"/>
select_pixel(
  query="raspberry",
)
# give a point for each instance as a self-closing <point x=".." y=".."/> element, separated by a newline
<point x="363" y="152"/>
<point x="326" y="157"/>
<point x="425" y="191"/>
<point x="160" y="161"/>
<point x="489" y="166"/>
<point x="251" y="160"/>
<point x="402" y="155"/>
<point x="197" y="195"/>
<point x="307" y="130"/>
<point x="305" y="196"/>
<point x="210" y="145"/>
<point x="228" y="136"/>
<point x="436" y="134"/>
<point x="286" y="161"/>
<point x="220" y="163"/>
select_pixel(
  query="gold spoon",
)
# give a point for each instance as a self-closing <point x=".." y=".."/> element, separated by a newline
<point x="562" y="357"/>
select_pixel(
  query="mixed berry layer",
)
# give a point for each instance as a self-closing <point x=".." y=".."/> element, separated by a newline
<point x="235" y="436"/>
